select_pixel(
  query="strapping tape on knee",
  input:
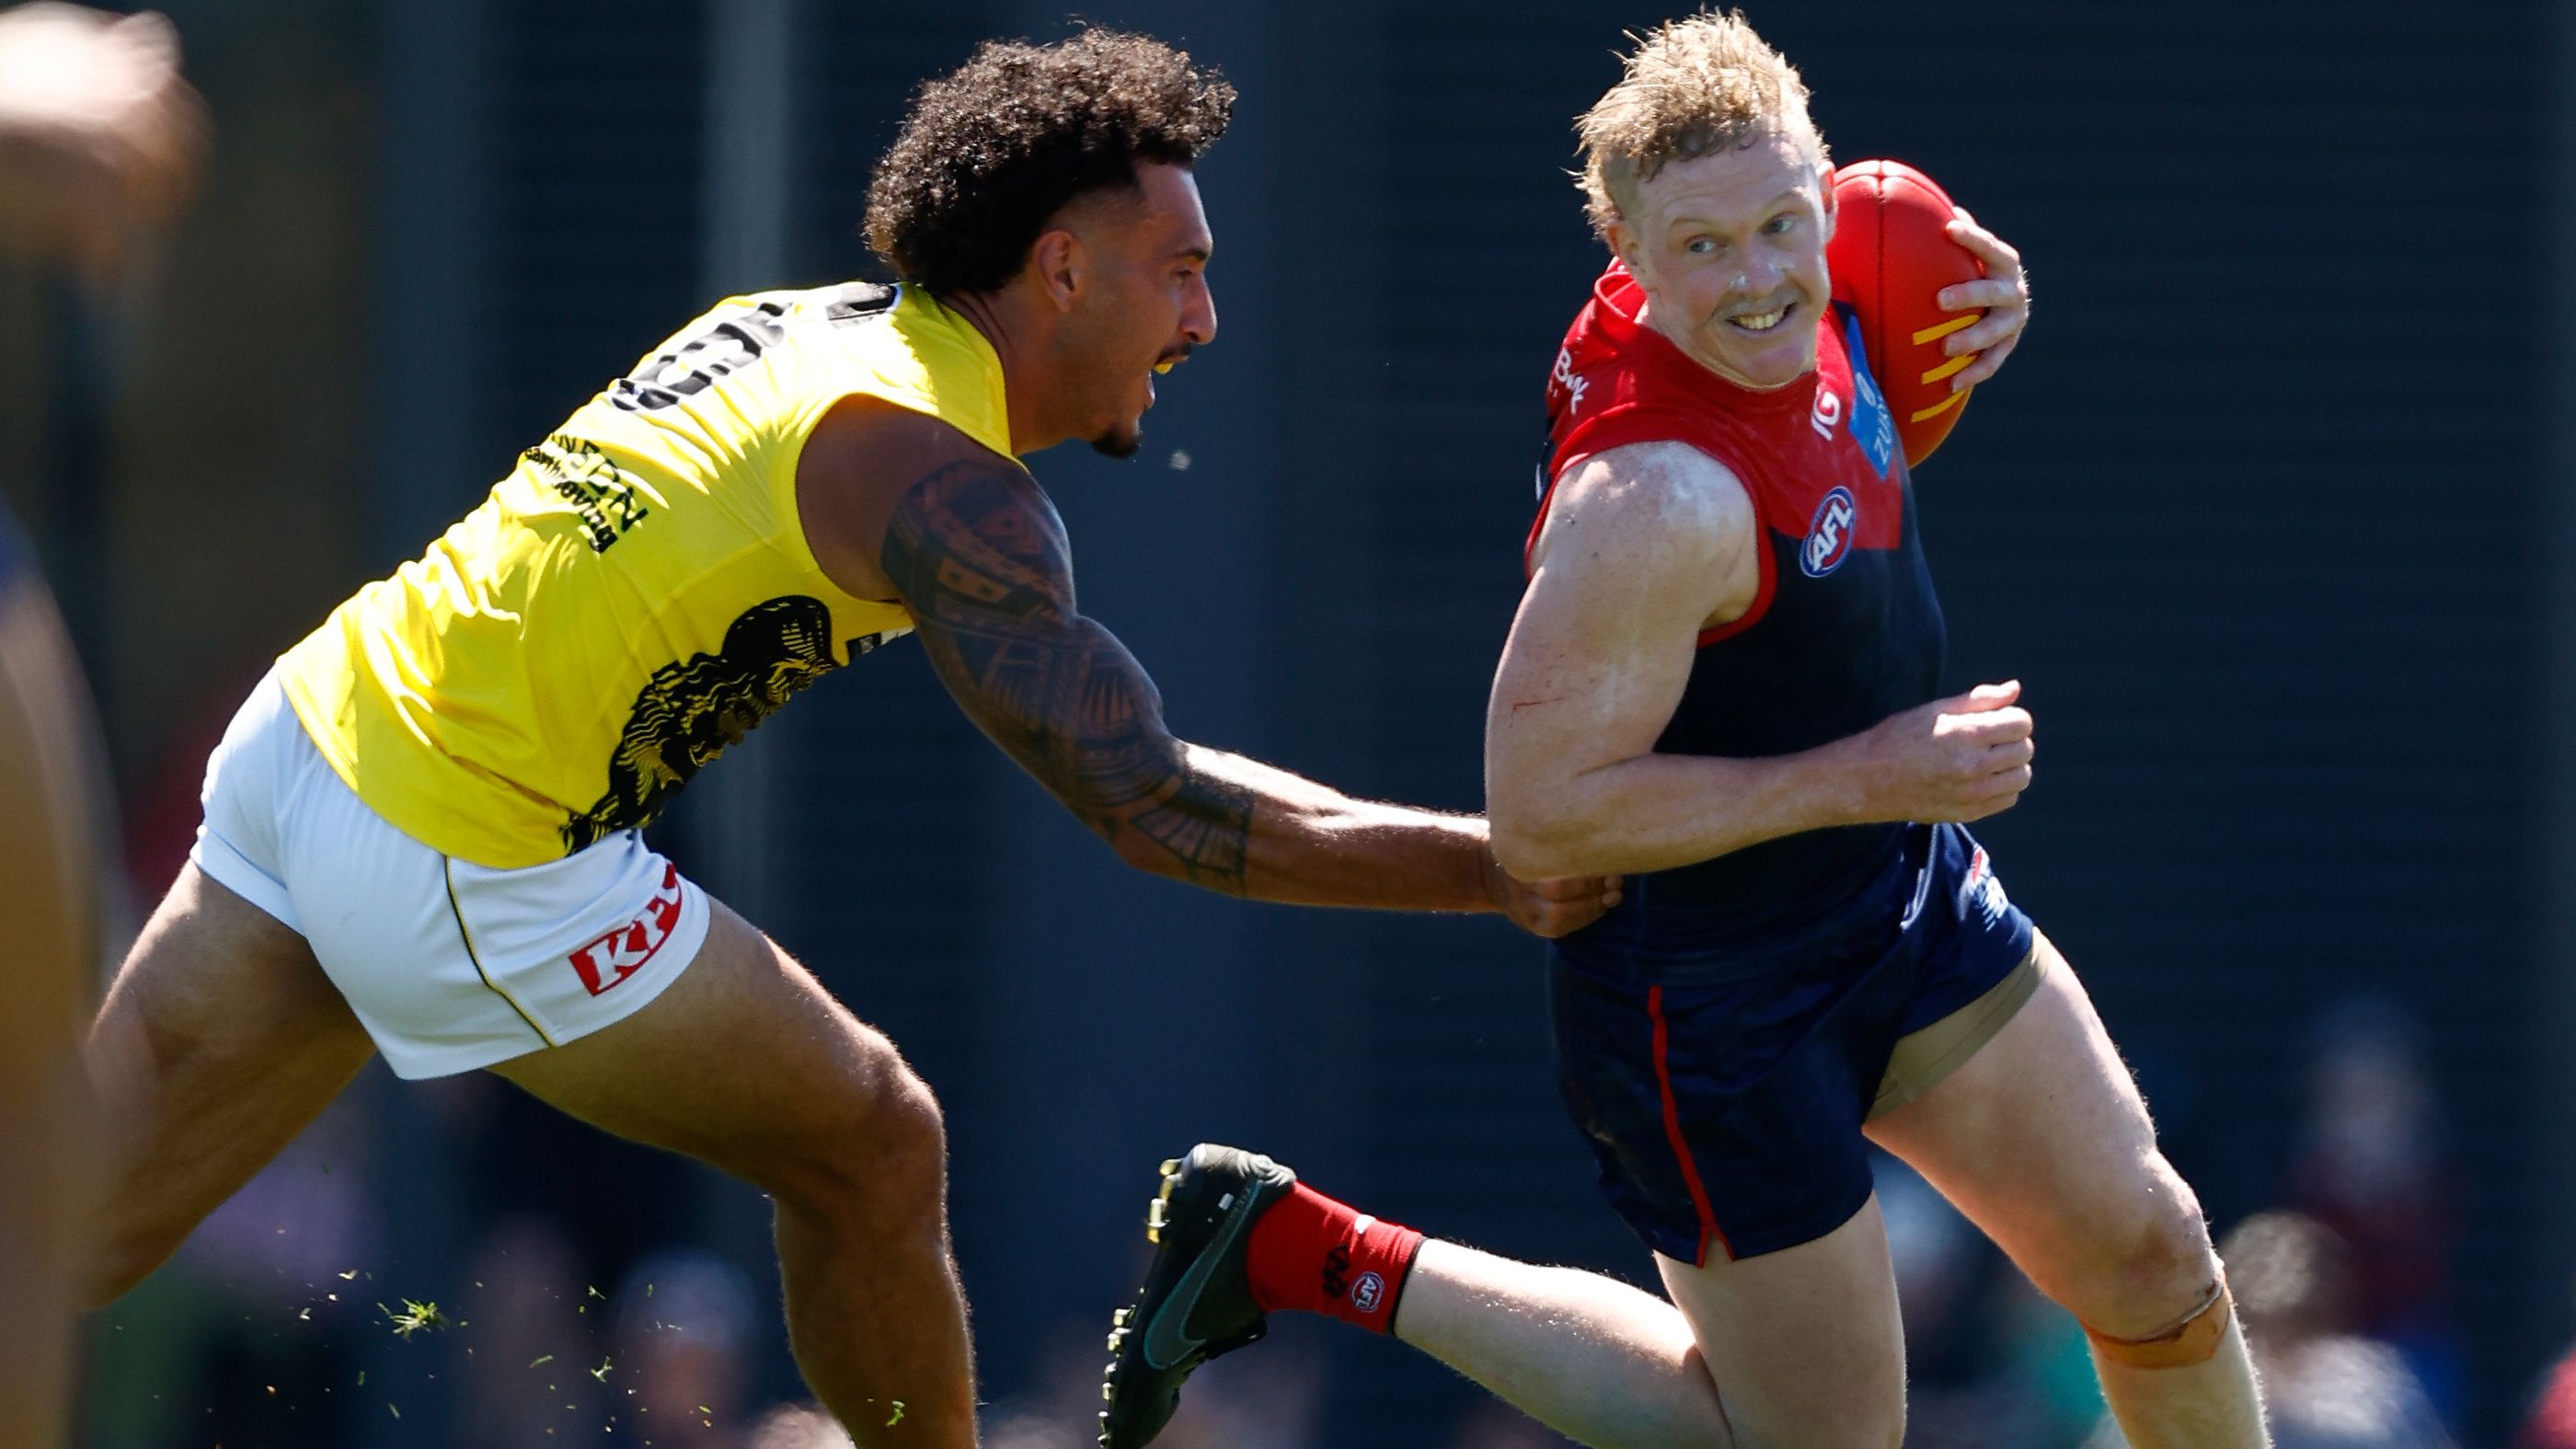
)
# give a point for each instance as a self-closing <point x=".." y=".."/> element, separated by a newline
<point x="2194" y="1340"/>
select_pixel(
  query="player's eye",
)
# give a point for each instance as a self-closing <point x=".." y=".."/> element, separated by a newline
<point x="1784" y="222"/>
<point x="1700" y="246"/>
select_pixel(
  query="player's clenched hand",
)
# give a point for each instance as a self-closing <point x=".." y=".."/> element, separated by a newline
<point x="2004" y="292"/>
<point x="1955" y="759"/>
<point x="1550" y="908"/>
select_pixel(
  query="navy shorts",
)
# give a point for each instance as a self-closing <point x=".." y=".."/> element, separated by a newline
<point x="1723" y="1092"/>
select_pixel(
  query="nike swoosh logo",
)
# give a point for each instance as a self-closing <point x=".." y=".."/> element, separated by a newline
<point x="1168" y="1339"/>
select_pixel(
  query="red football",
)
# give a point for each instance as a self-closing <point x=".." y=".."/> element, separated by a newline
<point x="1890" y="258"/>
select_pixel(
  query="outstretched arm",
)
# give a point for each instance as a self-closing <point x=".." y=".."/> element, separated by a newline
<point x="979" y="557"/>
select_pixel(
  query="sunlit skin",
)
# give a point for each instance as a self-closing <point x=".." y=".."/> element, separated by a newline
<point x="1730" y="248"/>
<point x="1726" y="239"/>
<point x="1114" y="290"/>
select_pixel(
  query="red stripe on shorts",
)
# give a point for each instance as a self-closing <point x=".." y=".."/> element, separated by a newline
<point x="1708" y="1227"/>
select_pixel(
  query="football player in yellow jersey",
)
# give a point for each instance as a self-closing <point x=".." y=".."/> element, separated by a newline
<point x="421" y="830"/>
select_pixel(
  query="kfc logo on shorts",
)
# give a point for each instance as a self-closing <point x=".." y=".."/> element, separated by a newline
<point x="622" y="952"/>
<point x="1368" y="1292"/>
<point x="1829" y="535"/>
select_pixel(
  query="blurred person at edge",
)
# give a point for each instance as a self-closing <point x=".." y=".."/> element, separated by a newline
<point x="2552" y="1424"/>
<point x="684" y="1324"/>
<point x="2369" y="1167"/>
<point x="798" y="1426"/>
<point x="1271" y="1400"/>
<point x="532" y="1309"/>
<point x="99" y="138"/>
<point x="2327" y="1385"/>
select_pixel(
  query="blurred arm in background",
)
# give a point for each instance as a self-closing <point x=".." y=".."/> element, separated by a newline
<point x="48" y="897"/>
<point x="99" y="140"/>
<point x="99" y="136"/>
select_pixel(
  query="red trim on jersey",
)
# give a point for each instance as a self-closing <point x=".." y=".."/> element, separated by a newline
<point x="1708" y="1227"/>
<point x="1618" y="381"/>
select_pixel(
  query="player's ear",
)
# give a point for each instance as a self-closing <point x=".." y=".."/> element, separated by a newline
<point x="1059" y="265"/>
<point x="1825" y="184"/>
<point x="1623" y="243"/>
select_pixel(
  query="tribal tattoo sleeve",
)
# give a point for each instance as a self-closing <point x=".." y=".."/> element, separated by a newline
<point x="981" y="560"/>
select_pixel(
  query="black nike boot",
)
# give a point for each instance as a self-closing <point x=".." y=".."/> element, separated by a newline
<point x="1197" y="1299"/>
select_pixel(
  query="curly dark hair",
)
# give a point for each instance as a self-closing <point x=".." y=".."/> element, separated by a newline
<point x="991" y="151"/>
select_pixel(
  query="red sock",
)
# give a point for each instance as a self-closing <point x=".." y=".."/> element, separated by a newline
<point x="1311" y="1253"/>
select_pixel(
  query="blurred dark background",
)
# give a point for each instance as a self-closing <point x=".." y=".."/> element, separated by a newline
<point x="2270" y="514"/>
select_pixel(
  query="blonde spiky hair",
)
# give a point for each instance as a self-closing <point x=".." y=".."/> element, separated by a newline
<point x="1691" y="87"/>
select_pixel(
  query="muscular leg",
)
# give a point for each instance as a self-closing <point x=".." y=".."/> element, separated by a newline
<point x="748" y="1065"/>
<point x="1589" y="1356"/>
<point x="219" y="1041"/>
<point x="1805" y="1342"/>
<point x="2042" y="1140"/>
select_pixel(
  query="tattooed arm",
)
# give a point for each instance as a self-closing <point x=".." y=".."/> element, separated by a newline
<point x="979" y="556"/>
<point x="900" y="506"/>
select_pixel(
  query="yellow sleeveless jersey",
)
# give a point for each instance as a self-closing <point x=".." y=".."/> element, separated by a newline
<point x="637" y="593"/>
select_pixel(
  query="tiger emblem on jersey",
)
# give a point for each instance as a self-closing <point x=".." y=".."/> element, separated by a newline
<point x="692" y="710"/>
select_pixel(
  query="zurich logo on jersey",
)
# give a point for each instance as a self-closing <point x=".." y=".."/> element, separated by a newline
<point x="1872" y="426"/>
<point x="1829" y="535"/>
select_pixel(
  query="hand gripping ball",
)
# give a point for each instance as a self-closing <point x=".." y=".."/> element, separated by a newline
<point x="1890" y="258"/>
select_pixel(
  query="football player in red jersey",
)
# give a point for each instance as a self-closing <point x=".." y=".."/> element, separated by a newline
<point x="1722" y="685"/>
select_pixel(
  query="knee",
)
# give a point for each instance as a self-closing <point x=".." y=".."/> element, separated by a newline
<point x="878" y="1150"/>
<point x="2145" y="1263"/>
<point x="906" y="1134"/>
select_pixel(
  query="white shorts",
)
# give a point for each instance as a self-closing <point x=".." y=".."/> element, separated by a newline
<point x="451" y="966"/>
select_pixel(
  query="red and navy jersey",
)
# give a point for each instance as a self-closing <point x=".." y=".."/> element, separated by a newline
<point x="1845" y="629"/>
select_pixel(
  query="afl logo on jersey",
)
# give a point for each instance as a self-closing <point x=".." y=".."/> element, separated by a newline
<point x="1829" y="535"/>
